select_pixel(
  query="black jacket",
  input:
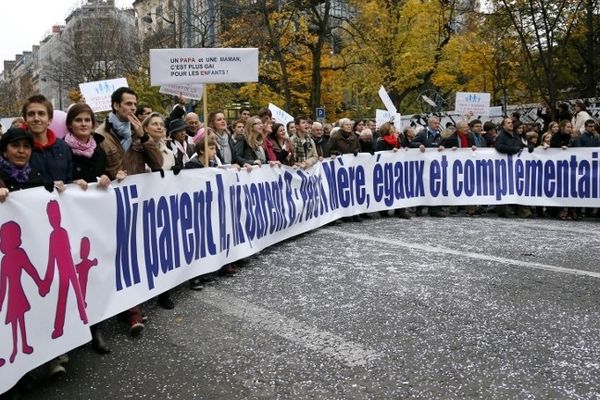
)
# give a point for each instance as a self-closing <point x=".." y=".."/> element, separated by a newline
<point x="382" y="145"/>
<point x="427" y="138"/>
<point x="587" y="140"/>
<point x="507" y="143"/>
<point x="35" y="180"/>
<point x="244" y="154"/>
<point x="321" y="145"/>
<point x="54" y="162"/>
<point x="91" y="168"/>
<point x="560" y="140"/>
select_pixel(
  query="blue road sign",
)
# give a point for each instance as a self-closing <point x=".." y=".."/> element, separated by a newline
<point x="320" y="113"/>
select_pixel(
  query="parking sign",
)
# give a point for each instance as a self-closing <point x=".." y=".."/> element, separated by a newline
<point x="320" y="113"/>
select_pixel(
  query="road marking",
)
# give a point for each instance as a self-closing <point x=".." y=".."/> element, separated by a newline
<point x="591" y="231"/>
<point x="477" y="256"/>
<point x="349" y="353"/>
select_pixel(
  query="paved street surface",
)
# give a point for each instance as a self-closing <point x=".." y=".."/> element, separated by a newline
<point x="385" y="309"/>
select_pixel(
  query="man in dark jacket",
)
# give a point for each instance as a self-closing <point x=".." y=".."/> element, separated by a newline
<point x="51" y="156"/>
<point x="589" y="137"/>
<point x="430" y="137"/>
<point x="475" y="129"/>
<point x="508" y="142"/>
<point x="320" y="140"/>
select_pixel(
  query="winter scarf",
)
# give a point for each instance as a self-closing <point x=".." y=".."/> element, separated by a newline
<point x="80" y="148"/>
<point x="20" y="175"/>
<point x="391" y="140"/>
<point x="121" y="129"/>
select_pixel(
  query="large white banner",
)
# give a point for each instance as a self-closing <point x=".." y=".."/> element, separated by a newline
<point x="73" y="259"/>
<point x="97" y="94"/>
<point x="212" y="65"/>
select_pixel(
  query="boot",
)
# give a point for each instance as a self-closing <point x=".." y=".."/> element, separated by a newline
<point x="165" y="301"/>
<point x="401" y="213"/>
<point x="98" y="343"/>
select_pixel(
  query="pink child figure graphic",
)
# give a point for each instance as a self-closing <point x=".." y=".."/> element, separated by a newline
<point x="60" y="254"/>
<point x="83" y="268"/>
<point x="15" y="261"/>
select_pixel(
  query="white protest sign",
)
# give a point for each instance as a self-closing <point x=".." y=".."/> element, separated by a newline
<point x="389" y="105"/>
<point x="193" y="92"/>
<point x="97" y="94"/>
<point x="496" y="112"/>
<point x="477" y="103"/>
<point x="185" y="66"/>
<point x="6" y="123"/>
<point x="383" y="116"/>
<point x="280" y="115"/>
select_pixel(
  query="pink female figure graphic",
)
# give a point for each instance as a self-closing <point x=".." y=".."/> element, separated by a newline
<point x="60" y="255"/>
<point x="14" y="262"/>
<point x="83" y="267"/>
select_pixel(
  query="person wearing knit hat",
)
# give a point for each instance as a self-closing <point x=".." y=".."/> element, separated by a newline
<point x="16" y="173"/>
<point x="179" y="144"/>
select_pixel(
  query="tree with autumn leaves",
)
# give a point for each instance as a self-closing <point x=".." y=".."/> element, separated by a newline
<point x="311" y="56"/>
<point x="337" y="54"/>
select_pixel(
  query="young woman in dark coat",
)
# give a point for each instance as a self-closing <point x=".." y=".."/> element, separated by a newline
<point x="89" y="159"/>
<point x="89" y="166"/>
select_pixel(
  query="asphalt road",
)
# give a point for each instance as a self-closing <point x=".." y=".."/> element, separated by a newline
<point x="385" y="309"/>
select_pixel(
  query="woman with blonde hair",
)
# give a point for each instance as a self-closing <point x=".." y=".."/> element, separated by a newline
<point x="249" y="150"/>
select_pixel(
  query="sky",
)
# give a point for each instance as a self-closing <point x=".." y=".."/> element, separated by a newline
<point x="26" y="22"/>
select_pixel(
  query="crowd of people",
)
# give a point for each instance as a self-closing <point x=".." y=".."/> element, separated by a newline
<point x="133" y="139"/>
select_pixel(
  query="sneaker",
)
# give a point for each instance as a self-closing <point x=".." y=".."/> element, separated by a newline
<point x="55" y="368"/>
<point x="196" y="284"/>
<point x="136" y="328"/>
<point x="63" y="359"/>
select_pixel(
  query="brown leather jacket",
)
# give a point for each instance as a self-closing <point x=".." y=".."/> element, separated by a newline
<point x="134" y="160"/>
